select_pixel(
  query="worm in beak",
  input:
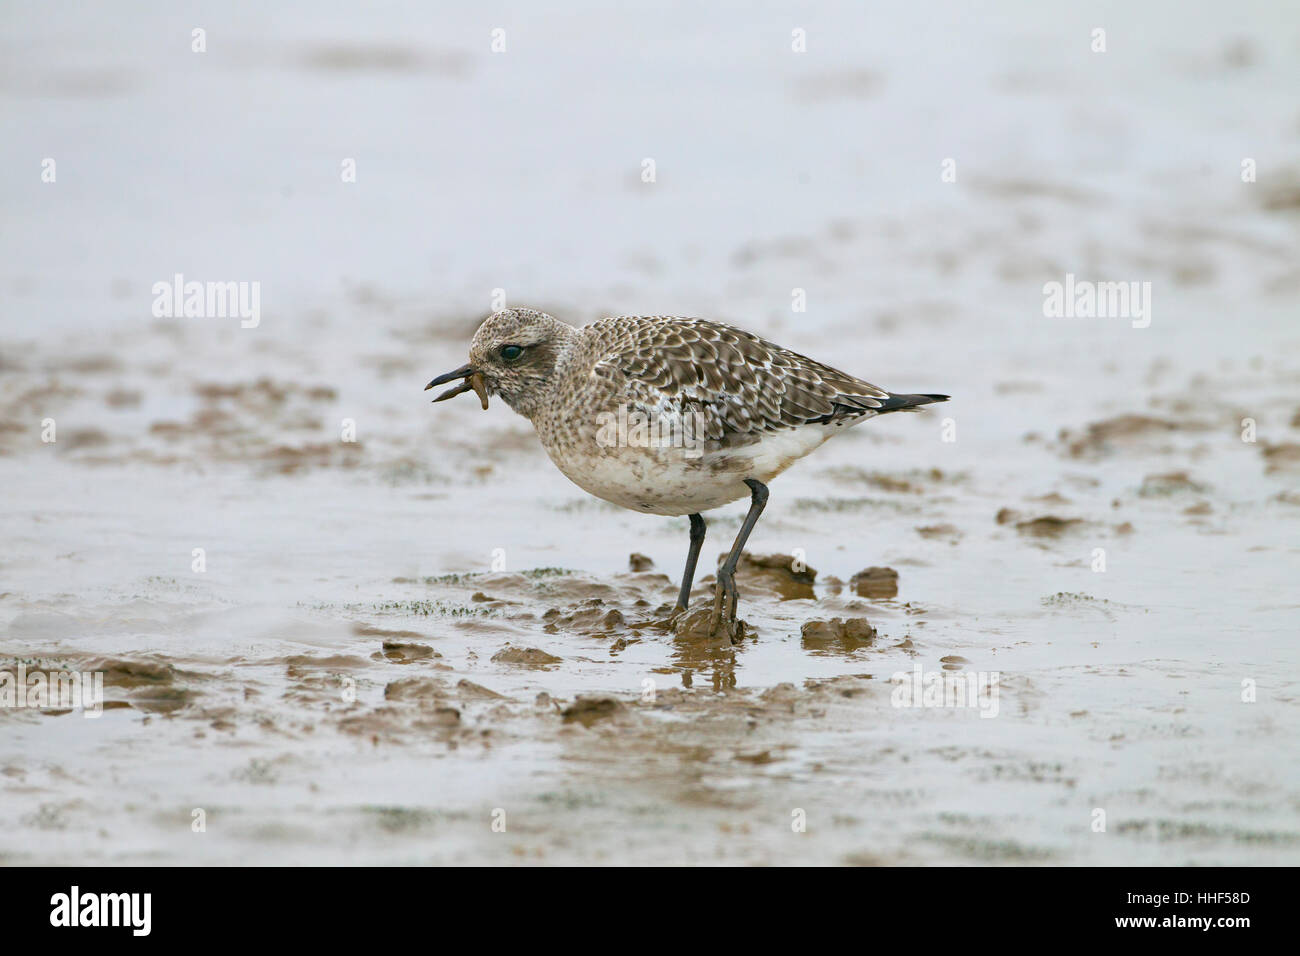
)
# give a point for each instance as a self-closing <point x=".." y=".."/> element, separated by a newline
<point x="473" y="381"/>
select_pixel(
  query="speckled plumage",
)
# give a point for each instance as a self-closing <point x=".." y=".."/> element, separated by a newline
<point x="742" y="384"/>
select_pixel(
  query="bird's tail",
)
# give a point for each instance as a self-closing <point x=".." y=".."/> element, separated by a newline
<point x="904" y="403"/>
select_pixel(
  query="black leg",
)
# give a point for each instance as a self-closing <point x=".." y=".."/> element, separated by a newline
<point x="693" y="555"/>
<point x="725" y="591"/>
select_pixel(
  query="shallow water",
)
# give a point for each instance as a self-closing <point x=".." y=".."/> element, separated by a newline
<point x="350" y="680"/>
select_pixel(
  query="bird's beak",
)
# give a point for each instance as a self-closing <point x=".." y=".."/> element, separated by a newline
<point x="472" y="380"/>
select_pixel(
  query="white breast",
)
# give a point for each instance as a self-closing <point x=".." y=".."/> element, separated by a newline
<point x="677" y="481"/>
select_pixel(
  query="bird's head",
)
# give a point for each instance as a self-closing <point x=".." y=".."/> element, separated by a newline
<point x="513" y="354"/>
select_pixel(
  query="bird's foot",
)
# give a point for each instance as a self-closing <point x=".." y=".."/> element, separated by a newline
<point x="694" y="626"/>
<point x="729" y="631"/>
<point x="722" y="620"/>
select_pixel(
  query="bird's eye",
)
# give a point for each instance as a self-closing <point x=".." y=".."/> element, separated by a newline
<point x="512" y="353"/>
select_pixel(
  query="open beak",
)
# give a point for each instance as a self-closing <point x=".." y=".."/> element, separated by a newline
<point x="472" y="381"/>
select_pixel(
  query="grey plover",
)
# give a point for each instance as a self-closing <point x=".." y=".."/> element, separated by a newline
<point x="667" y="415"/>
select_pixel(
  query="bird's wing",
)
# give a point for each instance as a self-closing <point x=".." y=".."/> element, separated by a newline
<point x="740" y="383"/>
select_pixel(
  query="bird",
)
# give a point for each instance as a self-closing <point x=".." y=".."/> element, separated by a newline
<point x="667" y="415"/>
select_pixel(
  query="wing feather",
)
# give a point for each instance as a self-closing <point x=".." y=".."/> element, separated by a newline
<point x="741" y="384"/>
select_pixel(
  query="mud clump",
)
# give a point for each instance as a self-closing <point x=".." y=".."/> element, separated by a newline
<point x="875" y="583"/>
<point x="367" y="630"/>
<point x="161" y="699"/>
<point x="415" y="688"/>
<point x="288" y="459"/>
<point x="1175" y="482"/>
<point x="639" y="562"/>
<point x="82" y="438"/>
<point x="525" y="657"/>
<point x="784" y="695"/>
<point x="1281" y="457"/>
<point x="837" y="633"/>
<point x="787" y="576"/>
<point x="440" y="719"/>
<point x="1052" y="498"/>
<point x="299" y="665"/>
<point x="590" y="710"/>
<point x="593" y="617"/>
<point x="1048" y="526"/>
<point x="401" y="652"/>
<point x="120" y="672"/>
<point x="1282" y="194"/>
<point x="474" y="691"/>
<point x="123" y="398"/>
